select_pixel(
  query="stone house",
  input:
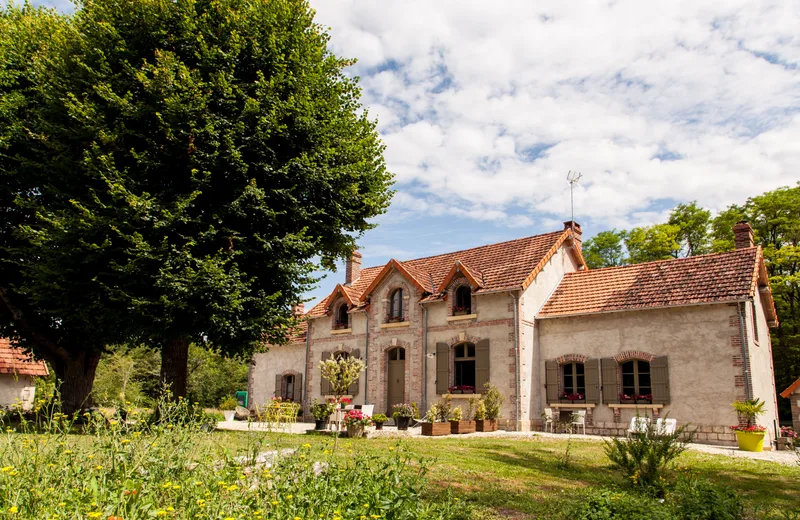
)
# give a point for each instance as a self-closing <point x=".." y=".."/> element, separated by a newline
<point x="18" y="372"/>
<point x="793" y="393"/>
<point x="688" y="336"/>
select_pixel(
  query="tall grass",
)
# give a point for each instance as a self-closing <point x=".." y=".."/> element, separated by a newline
<point x="171" y="468"/>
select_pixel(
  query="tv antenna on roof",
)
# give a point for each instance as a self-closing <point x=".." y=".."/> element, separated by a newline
<point x="573" y="178"/>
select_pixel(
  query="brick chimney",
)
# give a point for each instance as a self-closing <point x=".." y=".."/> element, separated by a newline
<point x="743" y="235"/>
<point x="576" y="230"/>
<point x="299" y="309"/>
<point x="352" y="268"/>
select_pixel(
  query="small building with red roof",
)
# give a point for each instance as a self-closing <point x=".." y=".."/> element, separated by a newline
<point x="684" y="337"/>
<point x="793" y="394"/>
<point x="18" y="372"/>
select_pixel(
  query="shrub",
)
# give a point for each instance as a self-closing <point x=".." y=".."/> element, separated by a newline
<point x="229" y="403"/>
<point x="456" y="414"/>
<point x="702" y="500"/>
<point x="480" y="410"/>
<point x="402" y="410"/>
<point x="644" y="457"/>
<point x="321" y="411"/>
<point x="609" y="505"/>
<point x="379" y="418"/>
<point x="492" y="399"/>
<point x="177" y="471"/>
<point x="444" y="407"/>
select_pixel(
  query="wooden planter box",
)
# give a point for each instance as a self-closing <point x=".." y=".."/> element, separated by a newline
<point x="486" y="425"/>
<point x="462" y="427"/>
<point x="435" y="429"/>
<point x="578" y="401"/>
<point x="627" y="401"/>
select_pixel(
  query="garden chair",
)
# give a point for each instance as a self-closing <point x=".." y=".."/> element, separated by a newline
<point x="368" y="409"/>
<point x="638" y="425"/>
<point x="579" y="420"/>
<point x="666" y="426"/>
<point x="548" y="419"/>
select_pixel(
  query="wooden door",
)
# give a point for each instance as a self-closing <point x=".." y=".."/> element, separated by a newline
<point x="396" y="378"/>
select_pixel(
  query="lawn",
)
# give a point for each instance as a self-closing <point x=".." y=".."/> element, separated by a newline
<point x="526" y="478"/>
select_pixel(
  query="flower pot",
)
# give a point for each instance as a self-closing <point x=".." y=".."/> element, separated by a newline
<point x="229" y="415"/>
<point x="319" y="424"/>
<point x="462" y="427"/>
<point x="435" y="429"/>
<point x="750" y="441"/>
<point x="355" y="431"/>
<point x="402" y="422"/>
<point x="486" y="425"/>
<point x="455" y="391"/>
<point x="643" y="401"/>
<point x="627" y="401"/>
<point x="378" y="425"/>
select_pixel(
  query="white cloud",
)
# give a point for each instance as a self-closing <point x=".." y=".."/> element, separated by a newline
<point x="485" y="107"/>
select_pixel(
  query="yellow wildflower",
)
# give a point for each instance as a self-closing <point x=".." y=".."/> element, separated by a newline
<point x="6" y="469"/>
<point x="13" y="510"/>
<point x="95" y="514"/>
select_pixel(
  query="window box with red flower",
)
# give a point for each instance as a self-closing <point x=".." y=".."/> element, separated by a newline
<point x="627" y="398"/>
<point x="340" y="325"/>
<point x="567" y="397"/>
<point x="461" y="311"/>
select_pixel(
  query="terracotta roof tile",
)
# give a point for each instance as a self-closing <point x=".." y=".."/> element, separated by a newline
<point x="722" y="277"/>
<point x="16" y="361"/>
<point x="501" y="266"/>
<point x="788" y="392"/>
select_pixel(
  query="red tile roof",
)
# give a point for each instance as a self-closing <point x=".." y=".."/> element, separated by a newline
<point x="503" y="266"/>
<point x="16" y="361"/>
<point x="721" y="277"/>
<point x="794" y="386"/>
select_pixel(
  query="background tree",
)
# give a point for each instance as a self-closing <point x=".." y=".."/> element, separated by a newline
<point x="657" y="242"/>
<point x="202" y="154"/>
<point x="605" y="249"/>
<point x="693" y="223"/>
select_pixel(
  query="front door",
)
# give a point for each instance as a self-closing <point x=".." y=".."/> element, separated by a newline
<point x="396" y="378"/>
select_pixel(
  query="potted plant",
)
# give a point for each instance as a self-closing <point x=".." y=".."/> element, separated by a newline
<point x="321" y="412"/>
<point x="749" y="435"/>
<point x="460" y="311"/>
<point x="627" y="399"/>
<point x="402" y="413"/>
<point x="567" y="397"/>
<point x="455" y="389"/>
<point x="480" y="416"/>
<point x="344" y="401"/>
<point x="228" y="407"/>
<point x="644" y="398"/>
<point x="455" y="419"/>
<point x="378" y="419"/>
<point x="460" y="422"/>
<point x="432" y="424"/>
<point x="492" y="400"/>
<point x="356" y="421"/>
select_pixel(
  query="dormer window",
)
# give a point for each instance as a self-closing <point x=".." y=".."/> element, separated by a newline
<point x="341" y="321"/>
<point x="396" y="306"/>
<point x="463" y="303"/>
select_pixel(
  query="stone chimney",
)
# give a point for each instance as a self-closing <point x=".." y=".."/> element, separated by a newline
<point x="576" y="230"/>
<point x="743" y="235"/>
<point x="352" y="268"/>
<point x="299" y="309"/>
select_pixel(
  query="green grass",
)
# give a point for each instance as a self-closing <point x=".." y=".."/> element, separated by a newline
<point x="525" y="478"/>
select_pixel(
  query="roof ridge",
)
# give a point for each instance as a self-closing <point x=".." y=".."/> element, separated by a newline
<point x="470" y="248"/>
<point x="661" y="262"/>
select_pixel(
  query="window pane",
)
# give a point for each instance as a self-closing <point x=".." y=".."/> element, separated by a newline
<point x="644" y="367"/>
<point x="568" y="369"/>
<point x="465" y="373"/>
<point x="568" y="383"/>
<point x="402" y="354"/>
<point x="581" y="385"/>
<point x="628" y="380"/>
<point x="627" y="367"/>
<point x="393" y="355"/>
<point x="644" y="381"/>
<point x="579" y="368"/>
<point x="470" y="350"/>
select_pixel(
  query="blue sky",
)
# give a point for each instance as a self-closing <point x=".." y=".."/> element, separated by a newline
<point x="485" y="106"/>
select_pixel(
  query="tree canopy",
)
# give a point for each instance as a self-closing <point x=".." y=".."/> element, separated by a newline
<point x="182" y="166"/>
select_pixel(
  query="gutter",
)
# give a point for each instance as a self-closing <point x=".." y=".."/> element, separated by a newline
<point x="745" y="351"/>
<point x="516" y="358"/>
<point x="425" y="358"/>
<point x="308" y="350"/>
<point x="654" y="308"/>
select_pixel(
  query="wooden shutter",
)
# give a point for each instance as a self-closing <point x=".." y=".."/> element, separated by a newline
<point x="608" y="369"/>
<point x="551" y="381"/>
<point x="481" y="365"/>
<point x="591" y="377"/>
<point x="353" y="389"/>
<point x="278" y="385"/>
<point x="442" y="368"/>
<point x="298" y="389"/>
<point x="659" y="380"/>
<point x="324" y="384"/>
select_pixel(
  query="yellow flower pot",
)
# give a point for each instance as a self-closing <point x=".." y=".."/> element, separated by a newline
<point x="750" y="441"/>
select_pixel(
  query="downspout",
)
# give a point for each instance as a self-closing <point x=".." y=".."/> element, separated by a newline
<point x="425" y="358"/>
<point x="516" y="359"/>
<point x="745" y="351"/>
<point x="305" y="377"/>
<point x="366" y="365"/>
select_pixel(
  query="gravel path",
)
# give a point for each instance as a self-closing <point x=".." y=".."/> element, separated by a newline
<point x="781" y="457"/>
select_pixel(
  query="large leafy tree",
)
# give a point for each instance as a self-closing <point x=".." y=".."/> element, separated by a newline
<point x="605" y="249"/>
<point x="656" y="242"/>
<point x="693" y="223"/>
<point x="197" y="155"/>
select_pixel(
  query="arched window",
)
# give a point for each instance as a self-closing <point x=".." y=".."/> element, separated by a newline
<point x="396" y="306"/>
<point x="464" y="365"/>
<point x="573" y="378"/>
<point x="288" y="388"/>
<point x="397" y="354"/>
<point x="341" y="317"/>
<point x="636" y="378"/>
<point x="340" y="355"/>
<point x="463" y="303"/>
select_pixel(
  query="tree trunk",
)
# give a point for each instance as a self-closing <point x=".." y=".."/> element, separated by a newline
<point x="75" y="379"/>
<point x="174" y="364"/>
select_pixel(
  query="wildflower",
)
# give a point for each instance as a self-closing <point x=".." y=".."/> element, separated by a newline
<point x="391" y="448"/>
<point x="67" y="452"/>
<point x="289" y="497"/>
<point x="90" y="456"/>
<point x="274" y="502"/>
<point x="13" y="510"/>
<point x="62" y="504"/>
<point x="232" y="488"/>
<point x="161" y="513"/>
<point x="306" y="445"/>
<point x="98" y="468"/>
<point x="170" y="509"/>
<point x="113" y="422"/>
<point x="366" y="506"/>
<point x="198" y="483"/>
<point x="6" y="469"/>
<point x="136" y="434"/>
<point x="126" y="441"/>
<point x="95" y="514"/>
